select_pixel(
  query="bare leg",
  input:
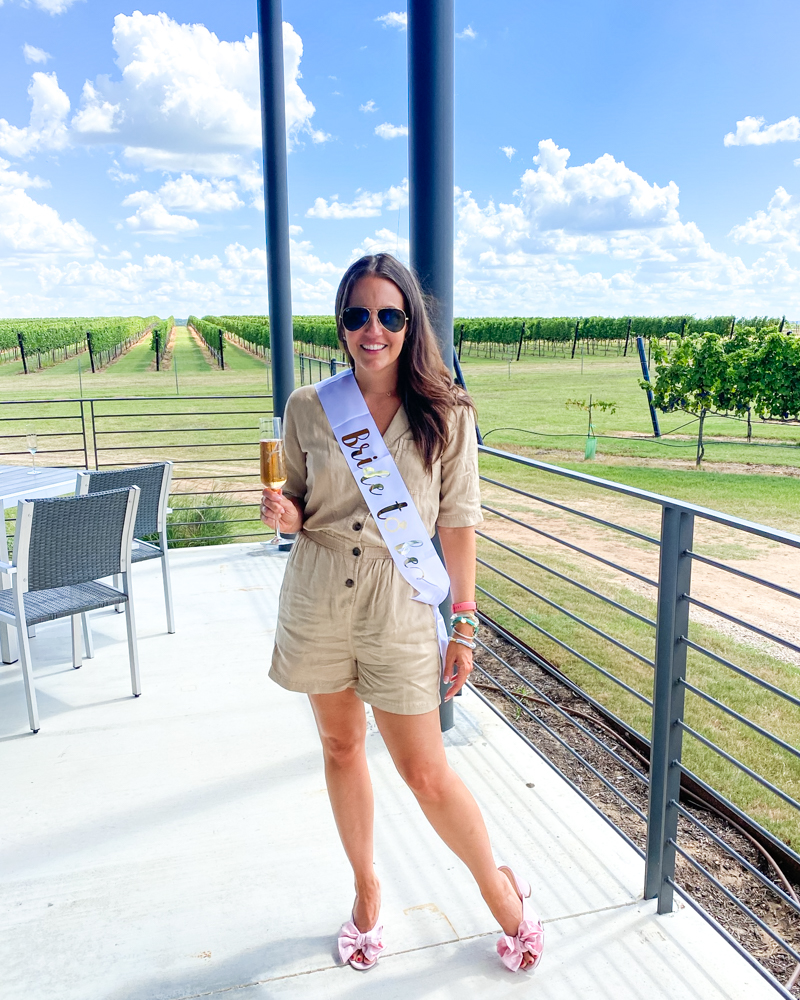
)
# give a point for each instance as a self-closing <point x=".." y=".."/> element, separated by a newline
<point x="342" y="724"/>
<point x="415" y="743"/>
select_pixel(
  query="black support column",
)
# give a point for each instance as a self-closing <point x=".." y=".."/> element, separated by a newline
<point x="276" y="200"/>
<point x="431" y="33"/>
<point x="431" y="41"/>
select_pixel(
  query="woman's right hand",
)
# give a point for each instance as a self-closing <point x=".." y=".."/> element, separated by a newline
<point x="275" y="507"/>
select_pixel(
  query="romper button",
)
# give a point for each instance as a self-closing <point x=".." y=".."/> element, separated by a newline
<point x="348" y="583"/>
<point x="356" y="552"/>
<point x="357" y="526"/>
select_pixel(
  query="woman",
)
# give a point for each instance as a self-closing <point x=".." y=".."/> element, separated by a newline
<point x="348" y="631"/>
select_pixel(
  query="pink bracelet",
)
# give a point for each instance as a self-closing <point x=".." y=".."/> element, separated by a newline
<point x="464" y="606"/>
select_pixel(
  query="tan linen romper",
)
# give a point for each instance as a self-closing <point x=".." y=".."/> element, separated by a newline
<point x="346" y="618"/>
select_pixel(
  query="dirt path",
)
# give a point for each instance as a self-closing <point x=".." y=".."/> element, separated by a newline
<point x="751" y="602"/>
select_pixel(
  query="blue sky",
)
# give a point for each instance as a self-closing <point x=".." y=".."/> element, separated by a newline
<point x="611" y="158"/>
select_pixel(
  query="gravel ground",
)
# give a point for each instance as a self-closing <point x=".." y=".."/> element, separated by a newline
<point x="759" y="898"/>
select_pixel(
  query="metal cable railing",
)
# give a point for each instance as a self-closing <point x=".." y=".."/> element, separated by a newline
<point x="599" y="622"/>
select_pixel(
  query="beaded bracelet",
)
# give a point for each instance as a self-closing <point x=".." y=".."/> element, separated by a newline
<point x="467" y="619"/>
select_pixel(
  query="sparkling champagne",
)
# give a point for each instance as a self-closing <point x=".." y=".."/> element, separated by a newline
<point x="273" y="466"/>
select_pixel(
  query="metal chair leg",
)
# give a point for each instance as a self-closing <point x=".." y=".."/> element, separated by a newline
<point x="27" y="676"/>
<point x="88" y="641"/>
<point x="167" y="590"/>
<point x="77" y="651"/>
<point x="117" y="586"/>
<point x="133" y="652"/>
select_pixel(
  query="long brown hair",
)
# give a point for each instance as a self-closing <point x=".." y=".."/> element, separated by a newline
<point x="424" y="384"/>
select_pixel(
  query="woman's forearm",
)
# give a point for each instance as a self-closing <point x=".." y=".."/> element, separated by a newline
<point x="459" y="550"/>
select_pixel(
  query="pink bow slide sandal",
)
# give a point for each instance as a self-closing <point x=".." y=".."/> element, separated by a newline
<point x="370" y="944"/>
<point x="530" y="936"/>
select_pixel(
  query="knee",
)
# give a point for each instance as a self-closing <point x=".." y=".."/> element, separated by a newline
<point x="342" y="751"/>
<point x="429" y="782"/>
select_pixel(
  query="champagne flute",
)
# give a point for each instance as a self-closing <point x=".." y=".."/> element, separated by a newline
<point x="273" y="463"/>
<point x="32" y="444"/>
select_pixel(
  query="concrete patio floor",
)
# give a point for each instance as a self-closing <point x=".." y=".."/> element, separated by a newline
<point x="181" y="844"/>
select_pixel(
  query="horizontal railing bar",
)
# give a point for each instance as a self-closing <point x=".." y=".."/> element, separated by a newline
<point x="654" y="498"/>
<point x="49" y="434"/>
<point x="764" y="879"/>
<point x="731" y="940"/>
<point x="741" y="622"/>
<point x="736" y="901"/>
<point x="543" y="756"/>
<point x="578" y="756"/>
<point x="740" y="670"/>
<point x="740" y="572"/>
<point x="170" y="430"/>
<point x="740" y="718"/>
<point x="568" y="579"/>
<point x="52" y="416"/>
<point x="185" y="542"/>
<point x="737" y="763"/>
<point x="229" y="520"/>
<point x="571" y="719"/>
<point x="569" y="545"/>
<point x="748" y="820"/>
<point x="175" y="413"/>
<point x="559" y="676"/>
<point x="572" y="510"/>
<point x="253" y="445"/>
<point x="569" y="614"/>
<point x="569" y="649"/>
<point x="179" y="461"/>
<point x="123" y="399"/>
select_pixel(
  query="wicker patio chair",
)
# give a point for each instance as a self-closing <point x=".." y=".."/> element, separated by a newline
<point x="62" y="547"/>
<point x="154" y="482"/>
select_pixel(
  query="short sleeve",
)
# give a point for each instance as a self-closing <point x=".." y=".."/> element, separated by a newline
<point x="296" y="475"/>
<point x="460" y="496"/>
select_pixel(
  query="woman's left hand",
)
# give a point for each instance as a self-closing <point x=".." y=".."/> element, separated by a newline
<point x="457" y="667"/>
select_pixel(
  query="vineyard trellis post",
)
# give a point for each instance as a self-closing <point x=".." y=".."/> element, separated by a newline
<point x="521" y="336"/>
<point x="627" y="338"/>
<point x="21" y="342"/>
<point x="221" y="349"/>
<point x="646" y="377"/>
<point x="90" y="348"/>
<point x="575" y="338"/>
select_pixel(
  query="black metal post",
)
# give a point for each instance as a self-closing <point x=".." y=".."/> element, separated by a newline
<point x="431" y="55"/>
<point x="431" y="41"/>
<point x="157" y="341"/>
<point x="90" y="349"/>
<point x="521" y="337"/>
<point x="575" y="338"/>
<point x="627" y="338"/>
<point x="674" y="583"/>
<point x="276" y="201"/>
<point x="221" y="349"/>
<point x="21" y="342"/>
<point x="646" y="377"/>
<point x="460" y="340"/>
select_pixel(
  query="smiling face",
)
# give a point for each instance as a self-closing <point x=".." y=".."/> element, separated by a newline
<point x="373" y="348"/>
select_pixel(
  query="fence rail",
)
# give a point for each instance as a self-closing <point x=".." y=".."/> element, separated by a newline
<point x="556" y="568"/>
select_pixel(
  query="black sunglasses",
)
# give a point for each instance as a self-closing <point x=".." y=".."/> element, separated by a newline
<point x="354" y="317"/>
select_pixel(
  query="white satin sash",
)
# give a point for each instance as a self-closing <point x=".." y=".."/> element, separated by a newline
<point x="385" y="493"/>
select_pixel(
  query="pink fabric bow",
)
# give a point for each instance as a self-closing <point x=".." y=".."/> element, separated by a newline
<point x="530" y="938"/>
<point x="352" y="940"/>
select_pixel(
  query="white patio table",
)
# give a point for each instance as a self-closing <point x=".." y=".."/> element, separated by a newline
<point x="18" y="483"/>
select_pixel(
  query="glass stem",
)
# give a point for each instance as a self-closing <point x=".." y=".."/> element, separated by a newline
<point x="278" y="538"/>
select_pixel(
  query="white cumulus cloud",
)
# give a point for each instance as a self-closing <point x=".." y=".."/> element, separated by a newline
<point x="34" y="55"/>
<point x="508" y="150"/>
<point x="28" y="227"/>
<point x="779" y="225"/>
<point x="152" y="218"/>
<point x="186" y="100"/>
<point x="47" y="128"/>
<point x="369" y="106"/>
<point x="750" y="131"/>
<point x="54" y="6"/>
<point x="468" y="32"/>
<point x="387" y="131"/>
<point x="365" y="205"/>
<point x="394" y="19"/>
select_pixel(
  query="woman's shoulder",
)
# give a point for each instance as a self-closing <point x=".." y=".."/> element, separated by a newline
<point x="303" y="398"/>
